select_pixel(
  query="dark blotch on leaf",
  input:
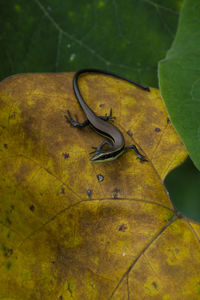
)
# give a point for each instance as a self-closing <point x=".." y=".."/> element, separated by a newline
<point x="154" y="284"/>
<point x="6" y="146"/>
<point x="65" y="155"/>
<point x="8" y="221"/>
<point x="12" y="207"/>
<point x="157" y="129"/>
<point x="12" y="115"/>
<point x="168" y="121"/>
<point x="9" y="252"/>
<point x="100" y="177"/>
<point x="116" y="191"/>
<point x="122" y="227"/>
<point x="89" y="192"/>
<point x="62" y="190"/>
<point x="8" y="265"/>
<point x="32" y="207"/>
<point x="129" y="133"/>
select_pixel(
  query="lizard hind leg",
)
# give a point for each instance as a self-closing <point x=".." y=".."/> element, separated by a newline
<point x="139" y="155"/>
<point x="99" y="148"/>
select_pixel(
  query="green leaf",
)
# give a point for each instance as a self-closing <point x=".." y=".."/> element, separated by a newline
<point x="126" y="37"/>
<point x="179" y="75"/>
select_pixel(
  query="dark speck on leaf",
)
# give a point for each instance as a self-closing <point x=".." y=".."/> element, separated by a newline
<point x="8" y="221"/>
<point x="12" y="207"/>
<point x="116" y="191"/>
<point x="89" y="192"/>
<point x="154" y="284"/>
<point x="6" y="146"/>
<point x="122" y="227"/>
<point x="8" y="265"/>
<point x="168" y="121"/>
<point x="32" y="207"/>
<point x="100" y="177"/>
<point x="157" y="129"/>
<point x="65" y="155"/>
<point x="8" y="252"/>
<point x="101" y="105"/>
<point x="62" y="190"/>
<point x="12" y="115"/>
<point x="129" y="133"/>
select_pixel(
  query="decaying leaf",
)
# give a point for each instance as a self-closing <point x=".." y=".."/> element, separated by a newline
<point x="72" y="229"/>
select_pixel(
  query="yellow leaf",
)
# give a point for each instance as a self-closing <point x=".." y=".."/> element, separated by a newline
<point x="72" y="229"/>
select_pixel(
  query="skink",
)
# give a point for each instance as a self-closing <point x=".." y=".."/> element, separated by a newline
<point x="115" y="138"/>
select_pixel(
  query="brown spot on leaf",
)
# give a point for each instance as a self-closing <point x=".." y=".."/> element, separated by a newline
<point x="122" y="227"/>
<point x="32" y="207"/>
<point x="157" y="129"/>
<point x="129" y="133"/>
<point x="154" y="284"/>
<point x="7" y="251"/>
<point x="8" y="221"/>
<point x="65" y="155"/>
<point x="62" y="190"/>
<point x="12" y="115"/>
<point x="12" y="207"/>
<point x="116" y="191"/>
